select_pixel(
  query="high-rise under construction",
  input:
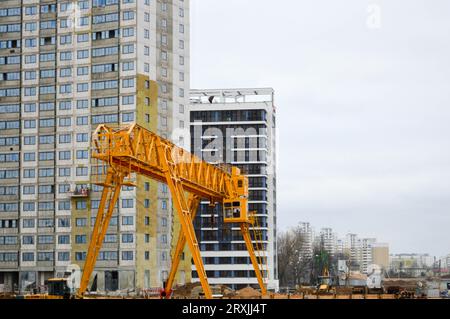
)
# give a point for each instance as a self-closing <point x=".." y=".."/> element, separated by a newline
<point x="237" y="127"/>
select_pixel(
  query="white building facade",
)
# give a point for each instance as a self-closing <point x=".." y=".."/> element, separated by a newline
<point x="237" y="126"/>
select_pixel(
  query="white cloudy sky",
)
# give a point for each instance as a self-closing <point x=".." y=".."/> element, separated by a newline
<point x="363" y="114"/>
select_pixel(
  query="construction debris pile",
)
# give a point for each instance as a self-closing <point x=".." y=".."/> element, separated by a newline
<point x="194" y="291"/>
<point x="185" y="291"/>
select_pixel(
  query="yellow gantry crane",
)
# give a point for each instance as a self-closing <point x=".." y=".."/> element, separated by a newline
<point x="134" y="149"/>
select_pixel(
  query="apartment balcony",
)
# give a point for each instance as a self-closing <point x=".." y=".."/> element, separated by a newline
<point x="80" y="193"/>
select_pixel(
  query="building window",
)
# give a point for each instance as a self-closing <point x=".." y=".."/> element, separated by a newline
<point x="64" y="155"/>
<point x="29" y="11"/>
<point x="64" y="222"/>
<point x="128" y="117"/>
<point x="28" y="223"/>
<point x="83" y="4"/>
<point x="65" y="56"/>
<point x="27" y="256"/>
<point x="127" y="32"/>
<point x="80" y="239"/>
<point x="28" y="240"/>
<point x="80" y="256"/>
<point x="84" y="70"/>
<point x="65" y="105"/>
<point x="127" y="255"/>
<point x="83" y="37"/>
<point x="127" y="238"/>
<point x="64" y="239"/>
<point x="65" y="72"/>
<point x="110" y="238"/>
<point x="127" y="203"/>
<point x="81" y="205"/>
<point x="127" y="66"/>
<point x="82" y="171"/>
<point x="82" y="154"/>
<point x="128" y="15"/>
<point x="63" y="256"/>
<point x="30" y="107"/>
<point x="128" y="99"/>
<point x="81" y="222"/>
<point x="127" y="48"/>
<point x="127" y="220"/>
<point x="29" y="140"/>
<point x="82" y="104"/>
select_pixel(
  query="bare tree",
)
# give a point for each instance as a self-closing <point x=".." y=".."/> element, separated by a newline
<point x="293" y="261"/>
<point x="285" y="249"/>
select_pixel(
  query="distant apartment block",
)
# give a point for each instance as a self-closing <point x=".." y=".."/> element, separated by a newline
<point x="413" y="264"/>
<point x="307" y="233"/>
<point x="328" y="239"/>
<point x="380" y="255"/>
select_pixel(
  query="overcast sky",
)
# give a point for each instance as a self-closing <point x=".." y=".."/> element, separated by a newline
<point x="363" y="109"/>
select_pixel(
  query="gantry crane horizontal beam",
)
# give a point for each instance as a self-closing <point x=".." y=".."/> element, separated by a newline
<point x="134" y="148"/>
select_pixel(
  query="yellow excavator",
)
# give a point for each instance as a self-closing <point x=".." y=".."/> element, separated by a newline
<point x="324" y="280"/>
<point x="133" y="149"/>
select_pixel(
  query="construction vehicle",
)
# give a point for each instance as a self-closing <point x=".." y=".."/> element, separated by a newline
<point x="325" y="286"/>
<point x="321" y="263"/>
<point x="135" y="150"/>
<point x="57" y="289"/>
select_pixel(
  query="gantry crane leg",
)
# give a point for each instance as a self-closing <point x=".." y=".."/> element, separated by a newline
<point x="182" y="208"/>
<point x="112" y="186"/>
<point x="193" y="203"/>
<point x="248" y="242"/>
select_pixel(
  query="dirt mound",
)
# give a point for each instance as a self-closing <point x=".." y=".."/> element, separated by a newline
<point x="195" y="290"/>
<point x="185" y="291"/>
<point x="248" y="293"/>
<point x="228" y="292"/>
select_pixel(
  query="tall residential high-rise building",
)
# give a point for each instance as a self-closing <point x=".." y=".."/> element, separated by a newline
<point x="329" y="240"/>
<point x="237" y="126"/>
<point x="340" y="247"/>
<point x="352" y="250"/>
<point x="67" y="66"/>
<point x="366" y="256"/>
<point x="307" y="232"/>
